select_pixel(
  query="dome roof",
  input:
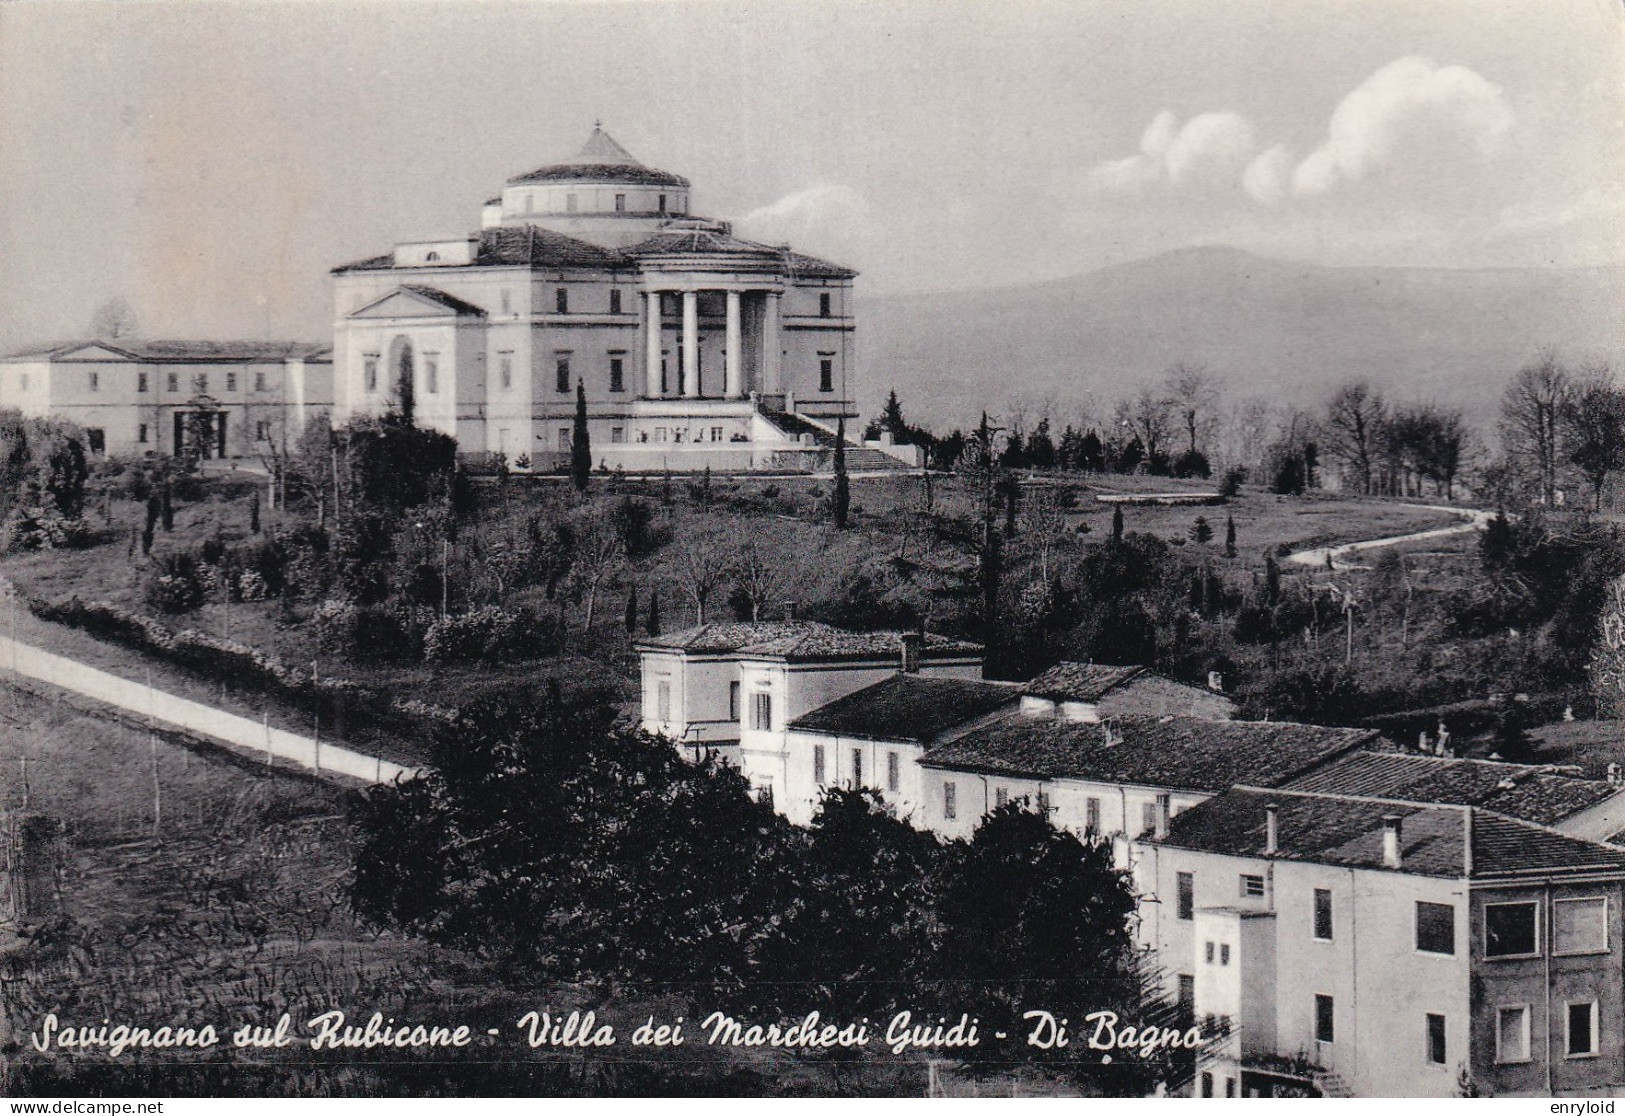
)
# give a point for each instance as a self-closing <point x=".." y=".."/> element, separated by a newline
<point x="601" y="159"/>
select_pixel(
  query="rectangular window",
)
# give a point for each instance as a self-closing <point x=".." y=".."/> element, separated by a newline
<point x="615" y="300"/>
<point x="617" y="434"/>
<point x="141" y="381"/>
<point x="141" y="433"/>
<point x="1582" y="1030"/>
<point x="231" y="381"/>
<point x="262" y="431"/>
<point x="857" y="767"/>
<point x="1436" y="1050"/>
<point x="1252" y="887"/>
<point x="1000" y="796"/>
<point x="1512" y="1033"/>
<point x="950" y="800"/>
<point x="1185" y="891"/>
<point x="894" y="774"/>
<point x="431" y="373"/>
<point x="620" y="203"/>
<point x="826" y="374"/>
<point x="1207" y="952"/>
<point x="95" y="381"/>
<point x="660" y="433"/>
<point x="561" y="373"/>
<point x="1148" y="817"/>
<point x="1207" y="1084"/>
<point x="617" y="373"/>
<point x="1091" y="816"/>
<point x="1323" y="914"/>
<point x="172" y="381"/>
<point x="1435" y="928"/>
<point x="1580" y="925"/>
<point x="370" y="366"/>
<point x="566" y="439"/>
<point x="561" y="300"/>
<point x="823" y="305"/>
<point x="716" y="433"/>
<point x="259" y="379"/>
<point x="1511" y="929"/>
<point x="660" y="204"/>
<point x="1224" y="953"/>
<point x="733" y="701"/>
<point x="818" y="765"/>
<point x="762" y="712"/>
<point x="663" y="701"/>
<point x="1324" y="1017"/>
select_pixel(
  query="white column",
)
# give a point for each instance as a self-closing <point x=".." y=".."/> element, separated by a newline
<point x="772" y="347"/>
<point x="651" y="343"/>
<point x="735" y="343"/>
<point x="691" y="344"/>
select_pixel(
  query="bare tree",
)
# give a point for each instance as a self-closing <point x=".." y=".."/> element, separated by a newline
<point x="1532" y="410"/>
<point x="1043" y="525"/>
<point x="1594" y="431"/>
<point x="761" y="578"/>
<point x="1193" y="392"/>
<point x="1146" y="416"/>
<point x="114" y="319"/>
<point x="702" y="564"/>
<point x="1354" y="421"/>
<point x="598" y="555"/>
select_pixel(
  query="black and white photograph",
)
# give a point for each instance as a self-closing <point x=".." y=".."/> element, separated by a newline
<point x="811" y="548"/>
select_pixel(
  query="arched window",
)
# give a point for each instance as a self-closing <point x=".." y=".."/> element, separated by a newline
<point x="402" y="365"/>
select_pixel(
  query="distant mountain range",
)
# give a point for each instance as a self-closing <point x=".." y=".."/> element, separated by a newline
<point x="1286" y="330"/>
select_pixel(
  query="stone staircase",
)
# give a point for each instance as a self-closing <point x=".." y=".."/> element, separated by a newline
<point x="859" y="459"/>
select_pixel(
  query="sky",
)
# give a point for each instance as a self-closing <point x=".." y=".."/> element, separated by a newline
<point x="210" y="160"/>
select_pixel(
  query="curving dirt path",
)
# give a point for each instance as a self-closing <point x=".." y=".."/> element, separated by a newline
<point x="1473" y="520"/>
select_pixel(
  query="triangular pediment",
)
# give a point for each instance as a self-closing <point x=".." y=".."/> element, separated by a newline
<point x="93" y="350"/>
<point x="416" y="302"/>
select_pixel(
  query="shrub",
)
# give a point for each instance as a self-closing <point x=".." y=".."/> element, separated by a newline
<point x="43" y="527"/>
<point x="175" y="586"/>
<point x="489" y="635"/>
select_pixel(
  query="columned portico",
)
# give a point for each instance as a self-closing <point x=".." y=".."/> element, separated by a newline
<point x="772" y="381"/>
<point x="652" y="347"/>
<point x="691" y="344"/>
<point x="734" y="381"/>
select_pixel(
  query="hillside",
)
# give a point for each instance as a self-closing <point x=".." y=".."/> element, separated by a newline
<point x="1268" y="326"/>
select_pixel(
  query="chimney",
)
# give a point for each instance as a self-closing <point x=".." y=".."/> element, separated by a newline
<point x="1162" y="816"/>
<point x="1272" y="829"/>
<point x="912" y="643"/>
<point x="1215" y="681"/>
<point x="1390" y="841"/>
<point x="1112" y="737"/>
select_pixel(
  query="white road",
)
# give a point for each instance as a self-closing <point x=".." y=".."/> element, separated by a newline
<point x="1473" y="520"/>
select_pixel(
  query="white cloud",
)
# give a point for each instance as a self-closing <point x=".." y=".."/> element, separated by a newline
<point x="1267" y="177"/>
<point x="817" y="213"/>
<point x="1409" y="115"/>
<point x="1208" y="149"/>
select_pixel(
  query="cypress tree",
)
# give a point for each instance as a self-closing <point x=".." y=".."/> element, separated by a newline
<point x="843" y="488"/>
<point x="632" y="609"/>
<point x="580" y="447"/>
<point x="254" y="513"/>
<point x="1229" y="536"/>
<point x="653" y="627"/>
<point x="1117" y="524"/>
<point x="167" y="509"/>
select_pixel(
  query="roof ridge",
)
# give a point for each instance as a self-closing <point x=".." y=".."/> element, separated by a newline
<point x="1374" y="799"/>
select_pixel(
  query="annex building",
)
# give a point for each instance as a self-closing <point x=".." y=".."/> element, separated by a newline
<point x="693" y="347"/>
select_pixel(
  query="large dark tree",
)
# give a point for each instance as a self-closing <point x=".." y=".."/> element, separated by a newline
<point x="1595" y="422"/>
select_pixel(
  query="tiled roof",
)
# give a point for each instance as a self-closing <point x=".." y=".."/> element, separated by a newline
<point x="631" y="173"/>
<point x="800" y="639"/>
<point x="162" y="351"/>
<point x="1533" y="794"/>
<point x="521" y="245"/>
<point x="449" y="301"/>
<point x="713" y="241"/>
<point x="1080" y="681"/>
<point x="908" y="707"/>
<point x="1183" y="753"/>
<point x="1348" y="832"/>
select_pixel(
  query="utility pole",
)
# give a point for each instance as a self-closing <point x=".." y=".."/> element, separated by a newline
<point x="316" y="713"/>
<point x="445" y="576"/>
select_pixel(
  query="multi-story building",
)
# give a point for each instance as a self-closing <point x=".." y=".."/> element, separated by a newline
<point x="227" y="398"/>
<point x="694" y="347"/>
<point x="736" y="687"/>
<point x="1346" y="944"/>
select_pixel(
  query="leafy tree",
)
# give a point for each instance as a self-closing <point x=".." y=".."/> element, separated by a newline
<point x="114" y="320"/>
<point x="1192" y="392"/>
<point x="580" y="446"/>
<point x="1091" y="455"/>
<point x="1354" y="420"/>
<point x="1059" y="934"/>
<point x="393" y="465"/>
